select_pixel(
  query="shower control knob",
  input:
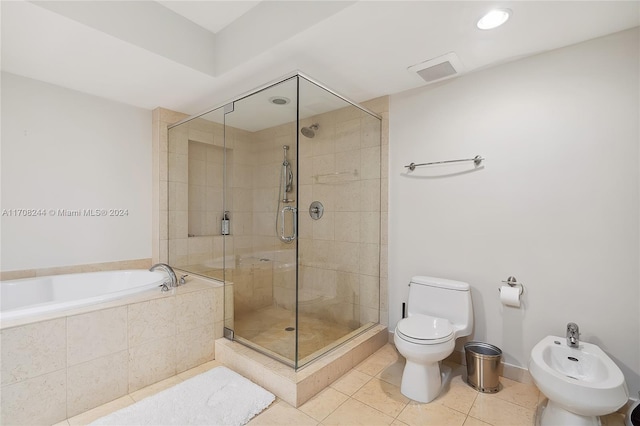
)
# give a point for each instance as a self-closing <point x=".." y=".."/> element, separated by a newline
<point x="316" y="210"/>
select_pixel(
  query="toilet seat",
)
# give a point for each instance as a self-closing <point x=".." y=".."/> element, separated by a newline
<point x="424" y="329"/>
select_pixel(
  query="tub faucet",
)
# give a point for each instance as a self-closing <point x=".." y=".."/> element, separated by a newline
<point x="573" y="335"/>
<point x="169" y="270"/>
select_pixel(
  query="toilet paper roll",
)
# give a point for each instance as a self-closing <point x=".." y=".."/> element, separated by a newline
<point x="510" y="296"/>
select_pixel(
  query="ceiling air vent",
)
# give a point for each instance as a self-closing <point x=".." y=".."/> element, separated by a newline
<point x="440" y="68"/>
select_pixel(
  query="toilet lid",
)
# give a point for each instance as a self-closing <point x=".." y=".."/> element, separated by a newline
<point x="425" y="329"/>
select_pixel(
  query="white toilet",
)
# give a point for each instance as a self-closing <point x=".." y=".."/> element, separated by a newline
<point x="439" y="311"/>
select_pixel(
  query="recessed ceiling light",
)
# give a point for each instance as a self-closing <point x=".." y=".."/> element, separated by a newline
<point x="279" y="100"/>
<point x="494" y="19"/>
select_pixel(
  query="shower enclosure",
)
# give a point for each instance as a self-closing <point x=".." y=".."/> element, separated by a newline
<point x="280" y="199"/>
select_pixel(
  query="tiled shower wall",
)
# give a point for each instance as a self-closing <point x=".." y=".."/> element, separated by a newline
<point x="162" y="118"/>
<point x="196" y="208"/>
<point x="195" y="191"/>
<point x="265" y="263"/>
<point x="205" y="194"/>
<point x="338" y="253"/>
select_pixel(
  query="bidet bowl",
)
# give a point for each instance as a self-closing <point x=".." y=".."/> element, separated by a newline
<point x="582" y="380"/>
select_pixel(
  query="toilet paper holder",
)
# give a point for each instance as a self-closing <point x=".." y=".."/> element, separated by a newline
<point x="513" y="282"/>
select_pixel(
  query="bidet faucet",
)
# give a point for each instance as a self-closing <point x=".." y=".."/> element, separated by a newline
<point x="573" y="335"/>
<point x="169" y="270"/>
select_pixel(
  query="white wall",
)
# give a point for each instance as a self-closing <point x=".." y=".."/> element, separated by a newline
<point x="556" y="204"/>
<point x="62" y="149"/>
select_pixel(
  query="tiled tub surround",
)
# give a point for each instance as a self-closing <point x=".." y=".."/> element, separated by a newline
<point x="55" y="368"/>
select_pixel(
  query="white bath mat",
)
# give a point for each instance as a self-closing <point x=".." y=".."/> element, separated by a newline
<point x="217" y="397"/>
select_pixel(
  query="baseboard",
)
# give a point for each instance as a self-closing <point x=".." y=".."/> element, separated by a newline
<point x="509" y="371"/>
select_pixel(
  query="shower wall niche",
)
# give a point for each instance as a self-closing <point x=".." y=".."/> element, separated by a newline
<point x="295" y="286"/>
<point x="196" y="179"/>
<point x="206" y="184"/>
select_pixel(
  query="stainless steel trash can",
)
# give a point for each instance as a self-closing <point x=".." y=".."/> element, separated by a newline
<point x="483" y="361"/>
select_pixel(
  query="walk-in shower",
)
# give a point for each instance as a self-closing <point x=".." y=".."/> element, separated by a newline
<point x="300" y="288"/>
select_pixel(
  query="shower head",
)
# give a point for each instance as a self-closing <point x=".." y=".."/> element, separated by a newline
<point x="310" y="131"/>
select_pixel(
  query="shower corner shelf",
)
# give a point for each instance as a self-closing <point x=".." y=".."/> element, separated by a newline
<point x="337" y="177"/>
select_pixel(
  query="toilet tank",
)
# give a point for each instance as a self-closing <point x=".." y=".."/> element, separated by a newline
<point x="442" y="298"/>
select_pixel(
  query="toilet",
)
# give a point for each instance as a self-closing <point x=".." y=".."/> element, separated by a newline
<point x="439" y="311"/>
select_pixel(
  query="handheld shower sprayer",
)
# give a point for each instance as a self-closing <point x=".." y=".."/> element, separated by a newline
<point x="286" y="178"/>
<point x="286" y="186"/>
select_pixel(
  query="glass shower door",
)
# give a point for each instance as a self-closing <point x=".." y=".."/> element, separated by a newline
<point x="339" y="215"/>
<point x="261" y="197"/>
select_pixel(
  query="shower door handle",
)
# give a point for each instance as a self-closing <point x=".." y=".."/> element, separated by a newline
<point x="288" y="238"/>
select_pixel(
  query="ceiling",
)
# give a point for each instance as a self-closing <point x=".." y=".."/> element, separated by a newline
<point x="191" y="55"/>
<point x="210" y="15"/>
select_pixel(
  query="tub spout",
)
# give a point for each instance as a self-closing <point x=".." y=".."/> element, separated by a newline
<point x="169" y="270"/>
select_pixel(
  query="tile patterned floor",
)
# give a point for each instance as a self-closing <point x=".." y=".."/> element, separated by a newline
<point x="370" y="395"/>
<point x="266" y="327"/>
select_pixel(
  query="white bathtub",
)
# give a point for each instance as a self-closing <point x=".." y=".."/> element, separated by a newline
<point x="33" y="296"/>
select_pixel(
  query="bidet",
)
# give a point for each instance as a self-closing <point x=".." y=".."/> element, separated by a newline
<point x="581" y="383"/>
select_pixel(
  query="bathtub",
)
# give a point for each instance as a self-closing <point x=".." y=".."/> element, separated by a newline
<point x="33" y="296"/>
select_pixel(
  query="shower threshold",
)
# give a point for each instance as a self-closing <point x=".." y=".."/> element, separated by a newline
<point x="297" y="387"/>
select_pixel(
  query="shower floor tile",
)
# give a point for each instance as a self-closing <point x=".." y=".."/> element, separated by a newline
<point x="273" y="328"/>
